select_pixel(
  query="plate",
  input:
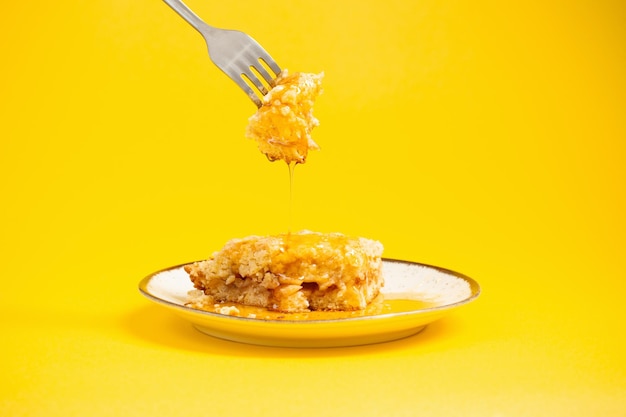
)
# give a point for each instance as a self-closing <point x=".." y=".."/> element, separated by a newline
<point x="414" y="295"/>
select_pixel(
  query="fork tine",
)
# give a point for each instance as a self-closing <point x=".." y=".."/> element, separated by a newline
<point x="269" y="61"/>
<point x="266" y="75"/>
<point x="254" y="79"/>
<point x="248" y="90"/>
<point x="258" y="53"/>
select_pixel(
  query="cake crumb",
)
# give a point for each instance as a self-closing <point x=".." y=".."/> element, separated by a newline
<point x="227" y="310"/>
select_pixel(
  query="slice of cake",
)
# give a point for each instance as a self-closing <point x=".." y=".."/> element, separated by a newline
<point x="282" y="126"/>
<point x="294" y="272"/>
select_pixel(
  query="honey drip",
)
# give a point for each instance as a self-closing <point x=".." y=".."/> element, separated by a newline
<point x="292" y="168"/>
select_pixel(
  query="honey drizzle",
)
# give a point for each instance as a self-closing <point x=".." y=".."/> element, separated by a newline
<point x="292" y="168"/>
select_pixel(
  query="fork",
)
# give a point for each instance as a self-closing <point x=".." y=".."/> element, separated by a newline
<point x="235" y="53"/>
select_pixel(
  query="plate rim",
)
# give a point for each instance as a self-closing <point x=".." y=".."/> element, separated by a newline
<point x="475" y="289"/>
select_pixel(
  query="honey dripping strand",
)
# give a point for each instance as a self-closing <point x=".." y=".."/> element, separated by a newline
<point x="292" y="168"/>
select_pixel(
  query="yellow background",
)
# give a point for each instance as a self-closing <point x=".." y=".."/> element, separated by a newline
<point x="484" y="137"/>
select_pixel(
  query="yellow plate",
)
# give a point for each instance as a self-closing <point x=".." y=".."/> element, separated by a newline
<point x="414" y="296"/>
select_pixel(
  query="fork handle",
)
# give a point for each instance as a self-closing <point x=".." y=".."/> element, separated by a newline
<point x="186" y="13"/>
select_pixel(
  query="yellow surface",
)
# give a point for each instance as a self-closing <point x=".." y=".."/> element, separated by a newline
<point x="480" y="136"/>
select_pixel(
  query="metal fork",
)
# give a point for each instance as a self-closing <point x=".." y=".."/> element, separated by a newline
<point x="235" y="53"/>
